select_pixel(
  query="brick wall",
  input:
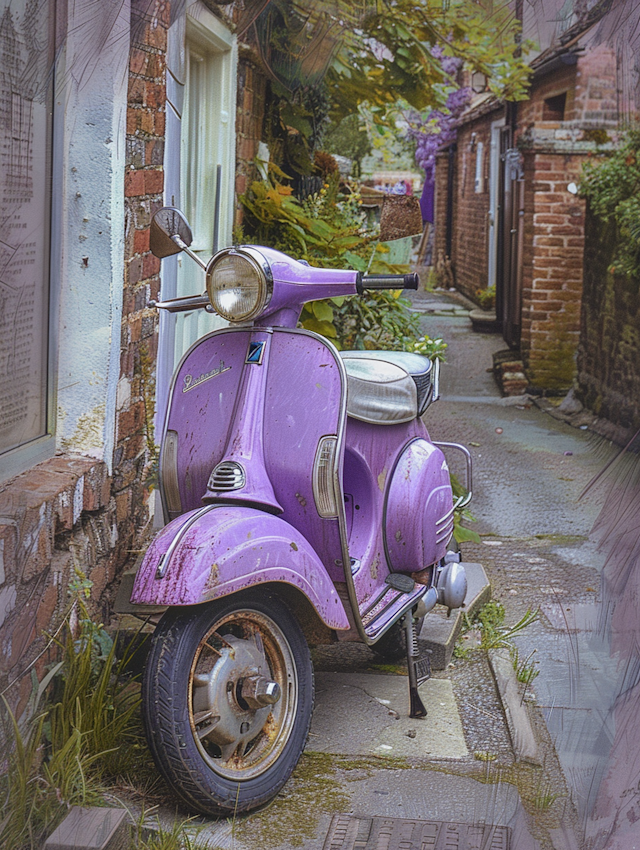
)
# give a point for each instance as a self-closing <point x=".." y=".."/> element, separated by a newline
<point x="552" y="269"/>
<point x="144" y="183"/>
<point x="58" y="516"/>
<point x="252" y="86"/>
<point x="440" y="210"/>
<point x="469" y="250"/>
<point x="609" y="351"/>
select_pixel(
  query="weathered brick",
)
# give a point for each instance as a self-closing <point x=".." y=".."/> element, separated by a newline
<point x="153" y="182"/>
<point x="134" y="183"/>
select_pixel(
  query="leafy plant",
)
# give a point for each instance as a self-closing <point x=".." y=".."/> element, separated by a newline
<point x="612" y="187"/>
<point x="462" y="533"/>
<point x="486" y="298"/>
<point x="328" y="229"/>
<point x="182" y="835"/>
<point x="526" y="668"/>
<point x="390" y="57"/>
<point x="489" y="621"/>
<point x="59" y="756"/>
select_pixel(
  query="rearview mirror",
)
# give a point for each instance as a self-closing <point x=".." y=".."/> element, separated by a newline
<point x="166" y="223"/>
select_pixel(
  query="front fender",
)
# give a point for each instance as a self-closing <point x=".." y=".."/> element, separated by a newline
<point x="224" y="549"/>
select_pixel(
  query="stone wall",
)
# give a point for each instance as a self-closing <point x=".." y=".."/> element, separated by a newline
<point x="609" y="351"/>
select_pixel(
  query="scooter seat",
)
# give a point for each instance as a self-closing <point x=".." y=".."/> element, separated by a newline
<point x="386" y="387"/>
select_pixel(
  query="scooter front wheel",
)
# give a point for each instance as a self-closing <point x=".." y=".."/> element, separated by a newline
<point x="227" y="700"/>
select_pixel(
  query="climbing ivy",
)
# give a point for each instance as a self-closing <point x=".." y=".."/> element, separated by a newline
<point x="612" y="187"/>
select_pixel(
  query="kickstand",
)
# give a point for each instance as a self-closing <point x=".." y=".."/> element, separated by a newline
<point x="417" y="708"/>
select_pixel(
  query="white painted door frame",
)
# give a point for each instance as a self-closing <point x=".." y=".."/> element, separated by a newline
<point x="202" y="61"/>
<point x="494" y="184"/>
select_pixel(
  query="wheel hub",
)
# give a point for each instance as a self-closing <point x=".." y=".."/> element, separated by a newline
<point x="232" y="701"/>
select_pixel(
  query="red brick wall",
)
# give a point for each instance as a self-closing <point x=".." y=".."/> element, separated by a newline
<point x="440" y="210"/>
<point x="144" y="183"/>
<point x="469" y="250"/>
<point x="252" y="85"/>
<point x="552" y="269"/>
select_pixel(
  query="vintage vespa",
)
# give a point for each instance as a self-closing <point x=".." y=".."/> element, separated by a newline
<point x="305" y="502"/>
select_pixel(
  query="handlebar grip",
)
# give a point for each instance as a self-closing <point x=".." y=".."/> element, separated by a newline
<point x="369" y="282"/>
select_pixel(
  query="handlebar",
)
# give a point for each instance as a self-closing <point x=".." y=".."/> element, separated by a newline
<point x="369" y="282"/>
<point x="183" y="305"/>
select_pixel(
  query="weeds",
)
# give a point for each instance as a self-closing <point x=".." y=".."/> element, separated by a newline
<point x="526" y="669"/>
<point x="59" y="756"/>
<point x="489" y="623"/>
<point x="182" y="835"/>
<point x="41" y="783"/>
<point x="545" y="798"/>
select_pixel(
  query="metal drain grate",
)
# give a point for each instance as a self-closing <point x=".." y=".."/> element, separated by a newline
<point x="351" y="833"/>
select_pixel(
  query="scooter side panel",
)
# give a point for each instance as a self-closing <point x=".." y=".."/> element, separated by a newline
<point x="201" y="406"/>
<point x="419" y="508"/>
<point x="304" y="402"/>
<point x="371" y="454"/>
<point x="230" y="548"/>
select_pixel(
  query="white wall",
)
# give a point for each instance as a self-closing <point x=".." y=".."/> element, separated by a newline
<point x="88" y="223"/>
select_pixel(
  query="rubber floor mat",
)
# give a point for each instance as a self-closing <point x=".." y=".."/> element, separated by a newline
<point x="352" y="833"/>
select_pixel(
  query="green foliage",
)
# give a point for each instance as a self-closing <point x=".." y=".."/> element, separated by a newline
<point x="349" y="138"/>
<point x="60" y="755"/>
<point x="612" y="187"/>
<point x="328" y="230"/>
<point x="37" y="789"/>
<point x="390" y="59"/>
<point x="182" y="835"/>
<point x="489" y="621"/>
<point x="486" y="298"/>
<point x="526" y="668"/>
<point x="461" y="533"/>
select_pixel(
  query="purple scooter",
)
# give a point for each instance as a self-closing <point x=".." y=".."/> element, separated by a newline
<point x="305" y="503"/>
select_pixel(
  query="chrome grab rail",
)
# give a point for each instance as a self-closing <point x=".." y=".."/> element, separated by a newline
<point x="462" y="501"/>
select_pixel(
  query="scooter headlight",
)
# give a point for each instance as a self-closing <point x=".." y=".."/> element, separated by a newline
<point x="239" y="284"/>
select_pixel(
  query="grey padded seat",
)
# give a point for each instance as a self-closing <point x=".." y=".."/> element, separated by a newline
<point x="385" y="387"/>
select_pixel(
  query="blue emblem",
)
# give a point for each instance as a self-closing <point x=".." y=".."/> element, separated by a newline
<point x="255" y="353"/>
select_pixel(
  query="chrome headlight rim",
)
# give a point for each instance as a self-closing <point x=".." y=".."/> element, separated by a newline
<point x="260" y="264"/>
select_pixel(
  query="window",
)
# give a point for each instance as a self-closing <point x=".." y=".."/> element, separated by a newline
<point x="25" y="179"/>
<point x="553" y="109"/>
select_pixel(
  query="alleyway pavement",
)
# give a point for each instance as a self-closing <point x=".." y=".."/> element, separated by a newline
<point x="366" y="758"/>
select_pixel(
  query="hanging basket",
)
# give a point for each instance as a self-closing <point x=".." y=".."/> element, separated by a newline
<point x="400" y="217"/>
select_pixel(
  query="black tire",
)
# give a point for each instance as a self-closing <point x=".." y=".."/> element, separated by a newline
<point x="192" y="648"/>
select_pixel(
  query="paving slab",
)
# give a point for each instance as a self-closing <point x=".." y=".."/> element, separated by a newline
<point x="91" y="828"/>
<point x="368" y="714"/>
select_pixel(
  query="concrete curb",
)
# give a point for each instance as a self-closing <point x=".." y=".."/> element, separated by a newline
<point x="524" y="742"/>
<point x="439" y="632"/>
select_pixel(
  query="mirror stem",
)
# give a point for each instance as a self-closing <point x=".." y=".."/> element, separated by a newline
<point x="184" y="247"/>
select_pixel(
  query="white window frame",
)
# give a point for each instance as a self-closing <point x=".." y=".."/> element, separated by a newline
<point x="197" y="34"/>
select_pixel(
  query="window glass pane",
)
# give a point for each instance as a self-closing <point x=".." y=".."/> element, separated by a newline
<point x="25" y="132"/>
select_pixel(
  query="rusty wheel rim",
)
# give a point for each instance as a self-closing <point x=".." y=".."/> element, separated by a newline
<point x="236" y="741"/>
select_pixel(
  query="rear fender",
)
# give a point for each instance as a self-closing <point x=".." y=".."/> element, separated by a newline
<point x="221" y="549"/>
